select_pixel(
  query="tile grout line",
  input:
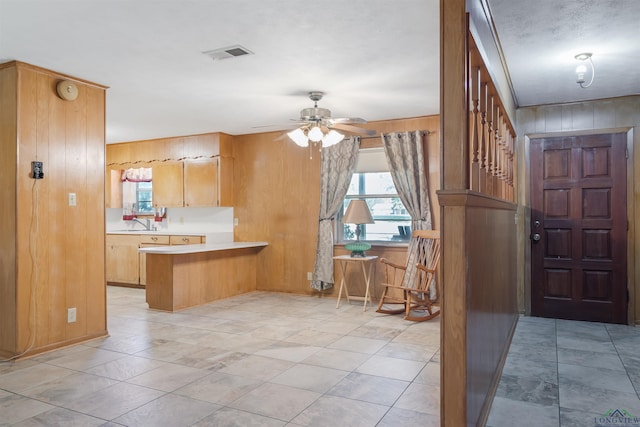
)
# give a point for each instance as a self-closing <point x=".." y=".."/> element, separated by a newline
<point x="555" y="328"/>
<point x="622" y="362"/>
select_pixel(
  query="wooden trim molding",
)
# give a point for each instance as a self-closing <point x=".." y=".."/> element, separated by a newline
<point x="473" y="198"/>
<point x="61" y="76"/>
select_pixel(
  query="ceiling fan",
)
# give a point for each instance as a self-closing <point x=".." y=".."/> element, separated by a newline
<point x="317" y="125"/>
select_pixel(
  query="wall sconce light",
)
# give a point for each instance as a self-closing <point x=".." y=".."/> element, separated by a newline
<point x="581" y="69"/>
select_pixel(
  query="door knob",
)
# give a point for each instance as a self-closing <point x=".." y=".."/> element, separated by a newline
<point x="536" y="237"/>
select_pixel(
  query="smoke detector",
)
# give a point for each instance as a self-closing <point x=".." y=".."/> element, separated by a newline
<point x="227" y="52"/>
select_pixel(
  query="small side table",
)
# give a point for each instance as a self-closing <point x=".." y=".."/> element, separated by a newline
<point x="365" y="261"/>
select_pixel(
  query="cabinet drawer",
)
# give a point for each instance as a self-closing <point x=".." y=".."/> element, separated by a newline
<point x="154" y="239"/>
<point x="185" y="240"/>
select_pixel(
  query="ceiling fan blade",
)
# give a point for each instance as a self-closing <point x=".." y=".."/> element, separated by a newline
<point x="354" y="129"/>
<point x="349" y="120"/>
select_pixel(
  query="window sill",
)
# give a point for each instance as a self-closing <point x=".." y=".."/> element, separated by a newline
<point x="390" y="244"/>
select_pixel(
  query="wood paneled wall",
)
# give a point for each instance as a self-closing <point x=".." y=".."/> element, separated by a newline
<point x="52" y="253"/>
<point x="277" y="195"/>
<point x="8" y="218"/>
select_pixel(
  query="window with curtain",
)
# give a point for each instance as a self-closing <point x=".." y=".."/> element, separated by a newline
<point x="137" y="190"/>
<point x="144" y="199"/>
<point x="372" y="182"/>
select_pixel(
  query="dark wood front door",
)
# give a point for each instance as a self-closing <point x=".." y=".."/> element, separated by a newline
<point x="579" y="228"/>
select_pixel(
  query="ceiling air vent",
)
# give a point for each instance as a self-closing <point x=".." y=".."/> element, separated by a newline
<point x="228" y="52"/>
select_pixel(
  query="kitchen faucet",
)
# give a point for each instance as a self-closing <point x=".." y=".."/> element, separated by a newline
<point x="146" y="226"/>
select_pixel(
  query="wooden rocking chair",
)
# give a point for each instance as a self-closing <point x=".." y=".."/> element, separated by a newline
<point x="414" y="281"/>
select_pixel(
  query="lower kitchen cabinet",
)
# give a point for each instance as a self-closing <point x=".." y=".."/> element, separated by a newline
<point x="122" y="265"/>
<point x="125" y="265"/>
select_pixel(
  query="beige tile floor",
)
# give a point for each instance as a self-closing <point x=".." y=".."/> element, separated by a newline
<point x="268" y="359"/>
<point x="261" y="359"/>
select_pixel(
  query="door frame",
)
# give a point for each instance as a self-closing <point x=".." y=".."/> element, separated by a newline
<point x="525" y="215"/>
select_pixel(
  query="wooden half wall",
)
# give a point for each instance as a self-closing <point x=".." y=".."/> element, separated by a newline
<point x="51" y="251"/>
<point x="479" y="308"/>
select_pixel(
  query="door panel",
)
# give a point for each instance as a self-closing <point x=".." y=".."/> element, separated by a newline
<point x="578" y="210"/>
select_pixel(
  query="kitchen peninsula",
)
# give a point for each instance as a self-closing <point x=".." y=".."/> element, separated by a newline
<point x="184" y="276"/>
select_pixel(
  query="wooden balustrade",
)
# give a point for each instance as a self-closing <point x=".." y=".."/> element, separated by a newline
<point x="491" y="134"/>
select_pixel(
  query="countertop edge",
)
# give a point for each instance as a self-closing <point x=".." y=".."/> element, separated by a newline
<point x="198" y="248"/>
<point x="155" y="233"/>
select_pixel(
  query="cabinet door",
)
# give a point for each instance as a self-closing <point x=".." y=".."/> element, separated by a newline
<point x="113" y="187"/>
<point x="167" y="185"/>
<point x="201" y="182"/>
<point x="225" y="181"/>
<point x="122" y="262"/>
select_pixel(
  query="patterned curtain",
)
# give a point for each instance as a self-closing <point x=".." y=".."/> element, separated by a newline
<point x="338" y="163"/>
<point x="137" y="175"/>
<point x="405" y="155"/>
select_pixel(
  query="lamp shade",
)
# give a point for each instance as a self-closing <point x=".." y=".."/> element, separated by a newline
<point x="315" y="134"/>
<point x="332" y="138"/>
<point x="358" y="213"/>
<point x="299" y="137"/>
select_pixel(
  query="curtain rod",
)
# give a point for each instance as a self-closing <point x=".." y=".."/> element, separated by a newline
<point x="424" y="132"/>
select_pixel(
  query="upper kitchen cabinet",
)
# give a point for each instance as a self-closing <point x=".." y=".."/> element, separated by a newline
<point x="208" y="182"/>
<point x="190" y="171"/>
<point x="167" y="184"/>
<point x="113" y="186"/>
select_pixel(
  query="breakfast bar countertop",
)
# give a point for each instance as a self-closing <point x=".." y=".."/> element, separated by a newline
<point x="204" y="247"/>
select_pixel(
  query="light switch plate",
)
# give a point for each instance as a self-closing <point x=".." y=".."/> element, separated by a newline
<point x="72" y="199"/>
<point x="71" y="315"/>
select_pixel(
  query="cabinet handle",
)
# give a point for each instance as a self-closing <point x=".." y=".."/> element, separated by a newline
<point x="185" y="239"/>
<point x="154" y="238"/>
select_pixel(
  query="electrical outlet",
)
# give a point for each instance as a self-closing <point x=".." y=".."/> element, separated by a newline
<point x="309" y="275"/>
<point x="72" y="199"/>
<point x="71" y="315"/>
<point x="37" y="170"/>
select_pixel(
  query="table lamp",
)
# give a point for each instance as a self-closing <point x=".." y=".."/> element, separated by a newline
<point x="358" y="213"/>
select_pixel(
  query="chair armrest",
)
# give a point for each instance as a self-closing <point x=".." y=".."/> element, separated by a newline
<point x="423" y="268"/>
<point x="391" y="264"/>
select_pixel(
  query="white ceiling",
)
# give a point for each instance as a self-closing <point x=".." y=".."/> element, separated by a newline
<point x="541" y="38"/>
<point x="375" y="59"/>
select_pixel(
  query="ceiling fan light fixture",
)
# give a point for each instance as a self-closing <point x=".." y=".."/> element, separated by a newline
<point x="315" y="134"/>
<point x="298" y="136"/>
<point x="317" y="124"/>
<point x="332" y="138"/>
